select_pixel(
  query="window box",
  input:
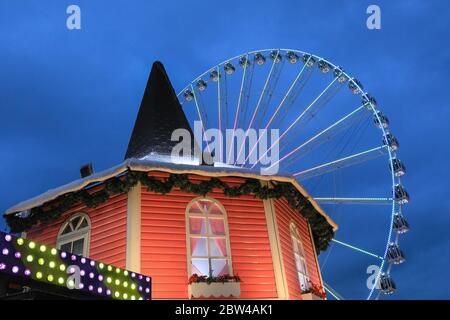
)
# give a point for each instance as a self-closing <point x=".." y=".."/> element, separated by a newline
<point x="214" y="289"/>
<point x="310" y="296"/>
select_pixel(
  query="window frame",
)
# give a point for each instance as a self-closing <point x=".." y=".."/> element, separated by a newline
<point x="71" y="237"/>
<point x="296" y="236"/>
<point x="208" y="236"/>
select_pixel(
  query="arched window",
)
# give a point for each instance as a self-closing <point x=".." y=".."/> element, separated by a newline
<point x="207" y="238"/>
<point x="74" y="235"/>
<point x="300" y="259"/>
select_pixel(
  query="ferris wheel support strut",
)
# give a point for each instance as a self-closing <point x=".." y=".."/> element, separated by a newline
<point x="292" y="125"/>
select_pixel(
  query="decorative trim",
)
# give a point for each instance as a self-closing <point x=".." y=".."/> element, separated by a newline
<point x="133" y="249"/>
<point x="323" y="230"/>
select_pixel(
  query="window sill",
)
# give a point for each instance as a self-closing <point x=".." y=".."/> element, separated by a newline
<point x="214" y="289"/>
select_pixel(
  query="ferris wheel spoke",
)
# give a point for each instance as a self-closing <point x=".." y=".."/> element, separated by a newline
<point x="287" y="95"/>
<point x="238" y="108"/>
<point x="333" y="292"/>
<point x="246" y="97"/>
<point x="291" y="101"/>
<point x="218" y="111"/>
<point x="291" y="126"/>
<point x="341" y="163"/>
<point x="270" y="91"/>
<point x="200" y="116"/>
<point x="357" y="249"/>
<point x="374" y="201"/>
<point x="324" y="135"/>
<point x="263" y="93"/>
<point x="277" y="110"/>
<point x="311" y="114"/>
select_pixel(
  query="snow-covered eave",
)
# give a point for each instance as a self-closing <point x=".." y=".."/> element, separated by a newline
<point x="149" y="165"/>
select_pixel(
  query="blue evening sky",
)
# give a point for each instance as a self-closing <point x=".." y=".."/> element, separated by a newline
<point x="71" y="97"/>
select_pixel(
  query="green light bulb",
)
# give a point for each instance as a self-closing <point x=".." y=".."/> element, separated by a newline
<point x="117" y="294"/>
<point x="117" y="282"/>
<point x="41" y="261"/>
<point x="101" y="265"/>
<point x="20" y="241"/>
<point x="39" y="275"/>
<point x="133" y="286"/>
<point x="52" y="264"/>
<point x="54" y="251"/>
<point x="32" y="245"/>
<point x="109" y="268"/>
<point x="50" y="278"/>
<point x="62" y="267"/>
<point x="109" y="280"/>
<point x="61" y="280"/>
<point x="117" y="270"/>
<point x="125" y="284"/>
<point x="30" y="258"/>
<point x="43" y="248"/>
<point x="125" y="296"/>
<point x="71" y="283"/>
<point x="140" y="298"/>
<point x="133" y="298"/>
<point x="125" y="273"/>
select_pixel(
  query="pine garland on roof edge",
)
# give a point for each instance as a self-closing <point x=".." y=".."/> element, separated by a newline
<point x="321" y="229"/>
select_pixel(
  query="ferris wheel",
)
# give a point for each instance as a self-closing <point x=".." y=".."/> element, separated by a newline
<point x="332" y="138"/>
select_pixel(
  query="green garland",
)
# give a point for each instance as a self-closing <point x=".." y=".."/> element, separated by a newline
<point x="321" y="229"/>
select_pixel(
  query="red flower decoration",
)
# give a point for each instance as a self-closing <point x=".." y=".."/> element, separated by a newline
<point x="195" y="278"/>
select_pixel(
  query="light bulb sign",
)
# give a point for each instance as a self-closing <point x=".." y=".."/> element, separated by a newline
<point x="28" y="259"/>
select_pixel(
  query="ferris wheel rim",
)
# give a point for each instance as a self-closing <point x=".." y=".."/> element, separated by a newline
<point x="374" y="108"/>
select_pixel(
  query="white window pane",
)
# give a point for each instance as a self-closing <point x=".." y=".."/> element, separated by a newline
<point x="295" y="245"/>
<point x="218" y="247"/>
<point x="198" y="247"/>
<point x="204" y="205"/>
<point x="67" y="229"/>
<point x="84" y="224"/>
<point x="215" y="209"/>
<point x="219" y="267"/>
<point x="298" y="263"/>
<point x="78" y="247"/>
<point x="200" y="267"/>
<point x="66" y="247"/>
<point x="216" y="226"/>
<point x="303" y="281"/>
<point x="304" y="268"/>
<point x="75" y="222"/>
<point x="195" y="208"/>
<point x="197" y="225"/>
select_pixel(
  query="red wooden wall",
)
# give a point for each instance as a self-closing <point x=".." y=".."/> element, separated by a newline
<point x="163" y="240"/>
<point x="164" y="253"/>
<point x="285" y="215"/>
<point x="108" y="230"/>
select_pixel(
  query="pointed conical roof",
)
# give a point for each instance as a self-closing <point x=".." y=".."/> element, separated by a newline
<point x="159" y="115"/>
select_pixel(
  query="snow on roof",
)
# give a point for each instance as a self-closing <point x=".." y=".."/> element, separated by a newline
<point x="159" y="164"/>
